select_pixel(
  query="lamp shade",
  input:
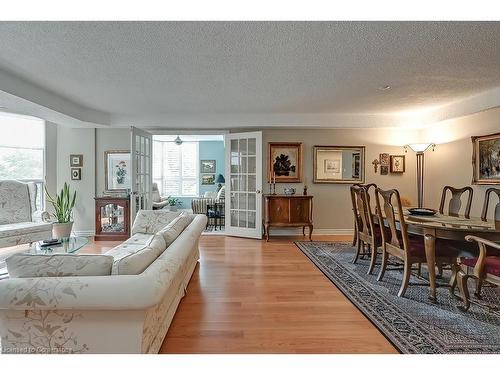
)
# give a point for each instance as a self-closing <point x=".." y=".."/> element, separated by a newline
<point x="419" y="147"/>
<point x="220" y="179"/>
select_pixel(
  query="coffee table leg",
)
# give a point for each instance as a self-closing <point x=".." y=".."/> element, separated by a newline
<point x="430" y="255"/>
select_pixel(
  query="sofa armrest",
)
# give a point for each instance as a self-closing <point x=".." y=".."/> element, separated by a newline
<point x="39" y="216"/>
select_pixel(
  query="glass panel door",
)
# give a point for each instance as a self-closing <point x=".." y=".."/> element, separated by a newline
<point x="141" y="152"/>
<point x="244" y="188"/>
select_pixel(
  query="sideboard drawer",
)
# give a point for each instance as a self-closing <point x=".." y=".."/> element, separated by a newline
<point x="299" y="211"/>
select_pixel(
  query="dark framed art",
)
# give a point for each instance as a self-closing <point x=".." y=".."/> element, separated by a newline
<point x="486" y="159"/>
<point x="284" y="162"/>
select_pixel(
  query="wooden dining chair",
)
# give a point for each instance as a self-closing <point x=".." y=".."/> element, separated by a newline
<point x="369" y="238"/>
<point x="398" y="243"/>
<point x="496" y="215"/>
<point x="486" y="268"/>
<point x="356" y="214"/>
<point x="455" y="202"/>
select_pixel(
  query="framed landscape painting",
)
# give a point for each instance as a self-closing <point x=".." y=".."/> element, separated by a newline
<point x="285" y="161"/>
<point x="486" y="159"/>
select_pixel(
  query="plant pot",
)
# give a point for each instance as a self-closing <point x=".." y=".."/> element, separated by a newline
<point x="61" y="230"/>
<point x="172" y="208"/>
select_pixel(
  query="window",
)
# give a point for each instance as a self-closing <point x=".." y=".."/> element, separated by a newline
<point x="175" y="168"/>
<point x="22" y="146"/>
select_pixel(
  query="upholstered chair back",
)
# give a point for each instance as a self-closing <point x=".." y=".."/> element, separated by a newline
<point x="17" y="201"/>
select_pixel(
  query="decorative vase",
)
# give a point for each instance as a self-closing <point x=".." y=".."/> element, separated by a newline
<point x="61" y="230"/>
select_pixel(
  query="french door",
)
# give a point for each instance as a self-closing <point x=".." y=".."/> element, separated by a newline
<point x="141" y="144"/>
<point x="244" y="184"/>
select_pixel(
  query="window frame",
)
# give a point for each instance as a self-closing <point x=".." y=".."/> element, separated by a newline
<point x="162" y="178"/>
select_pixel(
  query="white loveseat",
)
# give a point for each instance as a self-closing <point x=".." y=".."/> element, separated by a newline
<point x="128" y="313"/>
<point x="20" y="222"/>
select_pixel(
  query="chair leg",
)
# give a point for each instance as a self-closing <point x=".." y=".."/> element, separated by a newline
<point x="406" y="279"/>
<point x="440" y="270"/>
<point x="383" y="266"/>
<point x="373" y="260"/>
<point x="358" y="251"/>
<point x="462" y="278"/>
<point x="479" y="285"/>
<point x="355" y="237"/>
<point x="419" y="269"/>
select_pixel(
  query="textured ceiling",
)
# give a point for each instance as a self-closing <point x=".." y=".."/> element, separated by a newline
<point x="138" y="69"/>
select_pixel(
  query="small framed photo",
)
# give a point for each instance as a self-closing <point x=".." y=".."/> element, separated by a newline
<point x="384" y="159"/>
<point x="76" y="160"/>
<point x="208" y="179"/>
<point x="397" y="163"/>
<point x="207" y="166"/>
<point x="384" y="170"/>
<point x="76" y="173"/>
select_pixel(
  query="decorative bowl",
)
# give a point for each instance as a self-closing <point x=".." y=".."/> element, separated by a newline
<point x="422" y="211"/>
<point x="289" y="191"/>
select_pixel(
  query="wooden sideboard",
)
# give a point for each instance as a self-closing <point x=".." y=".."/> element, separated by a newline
<point x="288" y="211"/>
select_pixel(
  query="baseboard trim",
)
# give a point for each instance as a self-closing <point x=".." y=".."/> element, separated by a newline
<point x="84" y="233"/>
<point x="319" y="231"/>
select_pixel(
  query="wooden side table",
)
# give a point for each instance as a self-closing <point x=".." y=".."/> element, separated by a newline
<point x="288" y="211"/>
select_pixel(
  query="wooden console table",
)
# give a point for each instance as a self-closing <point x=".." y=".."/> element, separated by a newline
<point x="288" y="211"/>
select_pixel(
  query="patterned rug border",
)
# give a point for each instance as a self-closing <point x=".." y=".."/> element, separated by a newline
<point x="399" y="342"/>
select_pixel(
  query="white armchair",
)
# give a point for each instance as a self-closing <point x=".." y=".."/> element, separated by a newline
<point x="20" y="222"/>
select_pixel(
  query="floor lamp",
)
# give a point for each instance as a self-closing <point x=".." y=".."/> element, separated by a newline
<point x="420" y="149"/>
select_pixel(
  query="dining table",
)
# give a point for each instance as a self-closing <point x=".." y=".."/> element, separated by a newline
<point x="448" y="227"/>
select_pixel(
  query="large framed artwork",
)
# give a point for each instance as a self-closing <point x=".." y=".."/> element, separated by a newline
<point x="285" y="161"/>
<point x="486" y="159"/>
<point x="338" y="164"/>
<point x="117" y="166"/>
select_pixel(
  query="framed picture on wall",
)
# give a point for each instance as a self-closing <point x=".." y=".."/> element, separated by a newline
<point x="397" y="163"/>
<point x="117" y="166"/>
<point x="207" y="166"/>
<point x="338" y="164"/>
<point x="76" y="160"/>
<point x="76" y="173"/>
<point x="284" y="161"/>
<point x="486" y="159"/>
<point x="208" y="179"/>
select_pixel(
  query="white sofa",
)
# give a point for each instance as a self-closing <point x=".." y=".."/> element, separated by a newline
<point x="20" y="222"/>
<point x="102" y="314"/>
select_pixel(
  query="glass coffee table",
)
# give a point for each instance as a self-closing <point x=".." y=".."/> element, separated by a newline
<point x="69" y="245"/>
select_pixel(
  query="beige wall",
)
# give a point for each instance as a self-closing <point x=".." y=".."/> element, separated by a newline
<point x="332" y="207"/>
<point x="450" y="163"/>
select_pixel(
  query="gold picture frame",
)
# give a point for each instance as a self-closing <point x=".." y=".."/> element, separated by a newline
<point x="338" y="164"/>
<point x="284" y="161"/>
<point x="486" y="159"/>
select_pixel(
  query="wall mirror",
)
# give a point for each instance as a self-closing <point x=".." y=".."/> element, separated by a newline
<point x="339" y="164"/>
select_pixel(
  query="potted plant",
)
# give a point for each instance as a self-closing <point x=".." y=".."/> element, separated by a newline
<point x="63" y="212"/>
<point x="173" y="203"/>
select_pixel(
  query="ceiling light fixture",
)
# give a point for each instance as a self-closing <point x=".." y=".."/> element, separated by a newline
<point x="178" y="141"/>
<point x="384" y="88"/>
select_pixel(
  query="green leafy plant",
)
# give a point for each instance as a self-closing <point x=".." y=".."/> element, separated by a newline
<point x="63" y="204"/>
<point x="172" y="201"/>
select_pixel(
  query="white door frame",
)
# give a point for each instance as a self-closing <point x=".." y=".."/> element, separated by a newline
<point x="238" y="220"/>
<point x="141" y="157"/>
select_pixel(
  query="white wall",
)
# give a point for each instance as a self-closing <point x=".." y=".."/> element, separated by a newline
<point x="78" y="141"/>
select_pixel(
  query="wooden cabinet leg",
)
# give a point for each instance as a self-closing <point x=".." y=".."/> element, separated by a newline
<point x="266" y="231"/>
<point x="310" y="232"/>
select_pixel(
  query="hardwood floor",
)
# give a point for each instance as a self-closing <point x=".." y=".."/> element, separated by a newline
<point x="251" y="296"/>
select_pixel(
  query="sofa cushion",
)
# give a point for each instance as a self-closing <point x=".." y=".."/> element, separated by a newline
<point x="152" y="221"/>
<point x="133" y="257"/>
<point x="15" y="205"/>
<point x="57" y="265"/>
<point x="18" y="229"/>
<point x="174" y="228"/>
